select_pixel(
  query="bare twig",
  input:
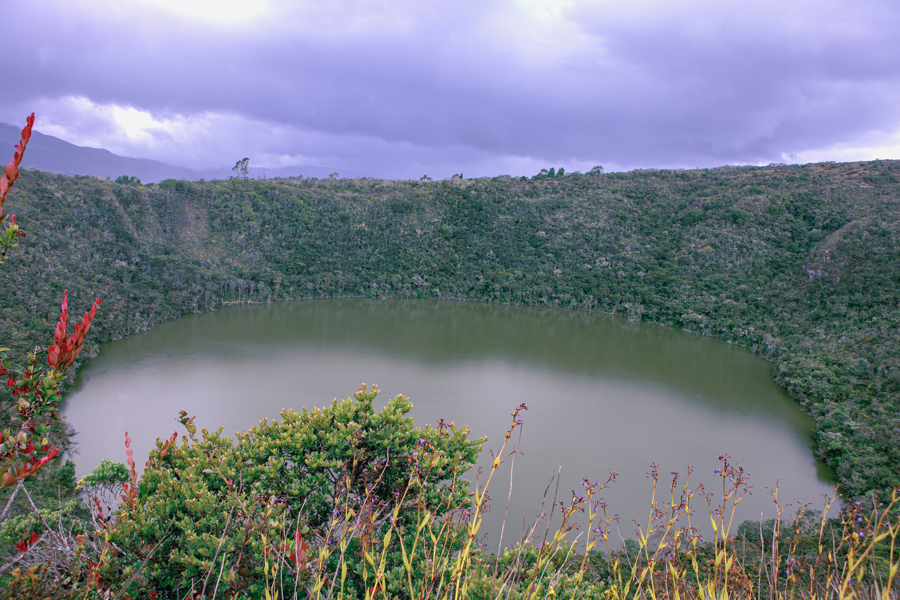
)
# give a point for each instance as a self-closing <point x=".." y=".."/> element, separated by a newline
<point x="22" y="555"/>
<point x="143" y="564"/>
<point x="9" y="502"/>
<point x="43" y="521"/>
<point x="216" y="555"/>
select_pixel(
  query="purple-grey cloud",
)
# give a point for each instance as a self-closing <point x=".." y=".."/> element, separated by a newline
<point x="398" y="89"/>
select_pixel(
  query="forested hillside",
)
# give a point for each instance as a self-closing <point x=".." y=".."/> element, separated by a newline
<point x="798" y="263"/>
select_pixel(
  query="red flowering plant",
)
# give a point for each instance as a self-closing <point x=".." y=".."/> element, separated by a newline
<point x="9" y="238"/>
<point x="24" y="447"/>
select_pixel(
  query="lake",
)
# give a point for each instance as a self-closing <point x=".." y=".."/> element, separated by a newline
<point x="603" y="393"/>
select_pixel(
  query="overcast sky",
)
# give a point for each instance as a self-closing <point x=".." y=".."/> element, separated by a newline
<point x="403" y="88"/>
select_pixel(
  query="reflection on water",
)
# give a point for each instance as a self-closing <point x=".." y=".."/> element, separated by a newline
<point x="603" y="394"/>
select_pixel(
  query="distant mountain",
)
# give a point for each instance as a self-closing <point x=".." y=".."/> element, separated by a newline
<point x="48" y="153"/>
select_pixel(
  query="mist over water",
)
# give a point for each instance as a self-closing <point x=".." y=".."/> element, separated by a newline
<point x="603" y="394"/>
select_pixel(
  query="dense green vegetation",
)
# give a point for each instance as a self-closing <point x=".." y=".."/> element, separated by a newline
<point x="798" y="263"/>
<point x="305" y="469"/>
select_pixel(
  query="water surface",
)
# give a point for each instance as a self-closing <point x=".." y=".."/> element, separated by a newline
<point x="603" y="394"/>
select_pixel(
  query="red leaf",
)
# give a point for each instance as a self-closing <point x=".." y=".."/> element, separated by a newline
<point x="26" y="131"/>
<point x="66" y="348"/>
<point x="8" y="479"/>
<point x="12" y="170"/>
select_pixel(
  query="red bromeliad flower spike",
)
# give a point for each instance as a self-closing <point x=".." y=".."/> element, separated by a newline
<point x="10" y="175"/>
<point x="38" y="392"/>
<point x="12" y="169"/>
<point x="131" y="488"/>
<point x="65" y="348"/>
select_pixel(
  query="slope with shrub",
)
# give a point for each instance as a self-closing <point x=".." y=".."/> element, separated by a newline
<point x="798" y="263"/>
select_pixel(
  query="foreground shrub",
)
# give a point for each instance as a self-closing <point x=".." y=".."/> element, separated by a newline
<point x="347" y="502"/>
<point x="290" y="496"/>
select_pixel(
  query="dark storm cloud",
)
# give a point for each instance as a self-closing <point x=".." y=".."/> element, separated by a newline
<point x="399" y="89"/>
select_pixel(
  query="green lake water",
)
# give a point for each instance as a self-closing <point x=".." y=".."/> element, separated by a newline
<point x="603" y="394"/>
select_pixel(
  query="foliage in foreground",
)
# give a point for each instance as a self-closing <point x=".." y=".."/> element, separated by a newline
<point x="799" y="263"/>
<point x="390" y="517"/>
<point x="290" y="481"/>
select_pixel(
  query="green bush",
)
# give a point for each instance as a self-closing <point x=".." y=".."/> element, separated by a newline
<point x="106" y="473"/>
<point x="295" y="479"/>
<point x="739" y="217"/>
<point x="401" y="206"/>
<point x="692" y="217"/>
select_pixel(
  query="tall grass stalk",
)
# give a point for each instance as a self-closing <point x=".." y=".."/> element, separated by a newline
<point x="422" y="545"/>
<point x="852" y="557"/>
